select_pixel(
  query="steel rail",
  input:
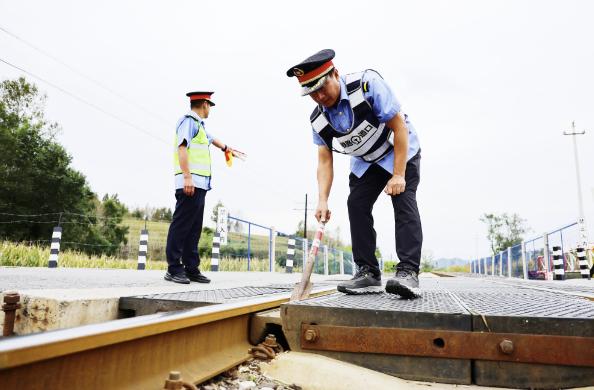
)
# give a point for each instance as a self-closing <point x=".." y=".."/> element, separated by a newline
<point x="136" y="352"/>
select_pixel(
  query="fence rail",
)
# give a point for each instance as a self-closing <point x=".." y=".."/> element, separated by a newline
<point x="250" y="246"/>
<point x="553" y="255"/>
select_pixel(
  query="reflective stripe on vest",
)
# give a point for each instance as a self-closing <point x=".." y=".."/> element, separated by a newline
<point x="198" y="153"/>
<point x="367" y="138"/>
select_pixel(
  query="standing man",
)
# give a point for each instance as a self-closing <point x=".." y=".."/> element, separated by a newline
<point x="359" y="115"/>
<point x="192" y="164"/>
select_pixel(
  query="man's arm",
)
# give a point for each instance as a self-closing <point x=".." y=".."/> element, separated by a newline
<point x="397" y="184"/>
<point x="236" y="153"/>
<point x="184" y="164"/>
<point x="325" y="178"/>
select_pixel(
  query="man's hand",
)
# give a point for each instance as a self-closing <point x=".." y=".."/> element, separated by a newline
<point x="395" y="186"/>
<point x="322" y="212"/>
<point x="188" y="185"/>
<point x="236" y="153"/>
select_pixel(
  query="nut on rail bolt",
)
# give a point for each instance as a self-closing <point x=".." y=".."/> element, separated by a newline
<point x="175" y="382"/>
<point x="10" y="306"/>
<point x="506" y="346"/>
<point x="311" y="335"/>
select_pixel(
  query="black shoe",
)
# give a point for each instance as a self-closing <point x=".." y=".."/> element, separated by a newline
<point x="403" y="283"/>
<point x="196" y="276"/>
<point x="177" y="278"/>
<point x="364" y="282"/>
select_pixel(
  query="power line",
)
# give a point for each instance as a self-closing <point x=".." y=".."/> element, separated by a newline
<point x="74" y="70"/>
<point x="96" y="107"/>
<point x="28" y="215"/>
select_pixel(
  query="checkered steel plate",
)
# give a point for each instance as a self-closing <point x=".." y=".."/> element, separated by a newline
<point x="216" y="296"/>
<point x="573" y="286"/>
<point x="433" y="301"/>
<point x="510" y="301"/>
<point x="458" y="284"/>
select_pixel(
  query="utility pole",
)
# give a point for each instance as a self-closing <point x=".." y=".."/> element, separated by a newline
<point x="305" y="210"/>
<point x="583" y="235"/>
<point x="305" y="219"/>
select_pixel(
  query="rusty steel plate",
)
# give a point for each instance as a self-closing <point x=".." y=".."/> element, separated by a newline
<point x="525" y="348"/>
<point x="488" y="305"/>
<point x="436" y="309"/>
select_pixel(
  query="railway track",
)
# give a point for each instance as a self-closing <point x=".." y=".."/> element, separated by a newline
<point x="136" y="353"/>
<point x="485" y="331"/>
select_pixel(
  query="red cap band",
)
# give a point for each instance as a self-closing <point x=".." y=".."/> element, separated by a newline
<point x="312" y="75"/>
<point x="199" y="97"/>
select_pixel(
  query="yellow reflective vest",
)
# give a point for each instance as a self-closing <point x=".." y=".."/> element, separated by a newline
<point x="198" y="153"/>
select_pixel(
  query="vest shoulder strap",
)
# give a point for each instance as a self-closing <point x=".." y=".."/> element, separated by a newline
<point x="319" y="121"/>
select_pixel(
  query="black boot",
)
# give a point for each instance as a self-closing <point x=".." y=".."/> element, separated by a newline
<point x="177" y="278"/>
<point x="196" y="276"/>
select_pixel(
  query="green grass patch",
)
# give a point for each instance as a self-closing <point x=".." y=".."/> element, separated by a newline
<point x="22" y="255"/>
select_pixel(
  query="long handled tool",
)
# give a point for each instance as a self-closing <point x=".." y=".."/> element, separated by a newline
<point x="302" y="289"/>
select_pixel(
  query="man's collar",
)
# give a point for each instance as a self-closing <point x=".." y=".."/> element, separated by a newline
<point x="195" y="116"/>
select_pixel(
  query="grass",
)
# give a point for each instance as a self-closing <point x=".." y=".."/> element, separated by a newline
<point x="233" y="255"/>
<point x="21" y="255"/>
<point x="456" y="268"/>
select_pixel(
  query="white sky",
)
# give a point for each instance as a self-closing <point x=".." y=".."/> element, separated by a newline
<point x="489" y="85"/>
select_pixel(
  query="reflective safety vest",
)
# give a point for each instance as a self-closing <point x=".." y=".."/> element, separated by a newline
<point x="367" y="138"/>
<point x="198" y="153"/>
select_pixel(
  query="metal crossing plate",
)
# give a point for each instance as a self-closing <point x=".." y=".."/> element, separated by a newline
<point x="457" y="304"/>
<point x="154" y="303"/>
<point x="432" y="301"/>
<point x="437" y="309"/>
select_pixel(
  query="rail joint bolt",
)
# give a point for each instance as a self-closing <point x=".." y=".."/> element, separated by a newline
<point x="311" y="335"/>
<point x="506" y="346"/>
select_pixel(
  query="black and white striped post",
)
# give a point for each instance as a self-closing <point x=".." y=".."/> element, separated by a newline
<point x="55" y="247"/>
<point x="142" y="249"/>
<point x="558" y="263"/>
<point x="583" y="261"/>
<point x="290" y="255"/>
<point x="216" y="246"/>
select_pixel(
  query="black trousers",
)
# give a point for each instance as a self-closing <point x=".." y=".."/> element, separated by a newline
<point x="184" y="232"/>
<point x="409" y="234"/>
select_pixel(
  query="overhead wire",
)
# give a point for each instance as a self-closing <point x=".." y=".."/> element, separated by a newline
<point x="79" y="73"/>
<point x="84" y="101"/>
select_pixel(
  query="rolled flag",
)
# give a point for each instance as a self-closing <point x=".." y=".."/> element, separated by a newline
<point x="229" y="158"/>
<point x="302" y="289"/>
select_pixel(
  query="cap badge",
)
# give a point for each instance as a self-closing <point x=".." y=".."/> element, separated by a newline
<point x="298" y="72"/>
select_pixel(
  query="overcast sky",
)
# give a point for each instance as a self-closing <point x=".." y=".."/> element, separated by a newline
<point x="489" y="85"/>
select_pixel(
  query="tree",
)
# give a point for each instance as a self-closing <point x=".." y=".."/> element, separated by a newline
<point x="215" y="211"/>
<point x="504" y="230"/>
<point x="36" y="177"/>
<point x="162" y="214"/>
